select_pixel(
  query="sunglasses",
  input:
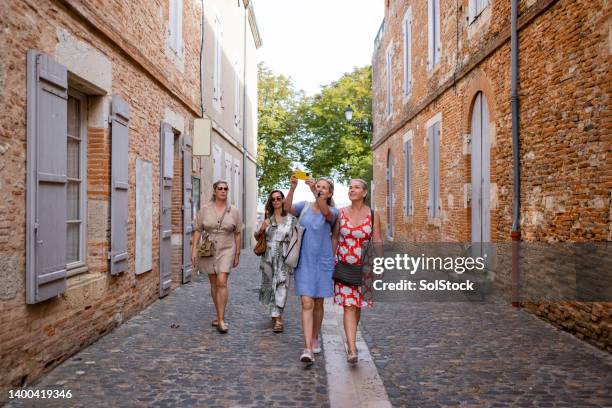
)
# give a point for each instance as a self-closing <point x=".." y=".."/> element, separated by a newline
<point x="223" y="188"/>
<point x="276" y="199"/>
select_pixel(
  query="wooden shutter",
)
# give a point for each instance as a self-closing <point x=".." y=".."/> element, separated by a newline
<point x="165" y="213"/>
<point x="437" y="31"/>
<point x="430" y="34"/>
<point x="486" y="172"/>
<point x="408" y="177"/>
<point x="436" y="133"/>
<point x="47" y="126"/>
<point x="476" y="167"/>
<point x="431" y="172"/>
<point x="187" y="215"/>
<point x="118" y="254"/>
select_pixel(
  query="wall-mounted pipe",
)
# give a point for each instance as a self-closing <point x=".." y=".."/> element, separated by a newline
<point x="516" y="159"/>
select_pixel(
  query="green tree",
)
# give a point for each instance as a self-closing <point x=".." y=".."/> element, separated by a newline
<point x="331" y="145"/>
<point x="278" y="143"/>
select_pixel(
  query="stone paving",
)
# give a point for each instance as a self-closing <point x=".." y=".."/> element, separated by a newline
<point x="477" y="354"/>
<point x="148" y="363"/>
<point x="460" y="354"/>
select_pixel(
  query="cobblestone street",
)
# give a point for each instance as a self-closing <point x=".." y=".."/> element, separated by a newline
<point x="146" y="362"/>
<point x="427" y="355"/>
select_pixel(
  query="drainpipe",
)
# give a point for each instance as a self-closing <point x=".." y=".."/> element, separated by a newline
<point x="244" y="128"/>
<point x="516" y="201"/>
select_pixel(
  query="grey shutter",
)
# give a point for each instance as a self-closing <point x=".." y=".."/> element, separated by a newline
<point x="118" y="254"/>
<point x="408" y="177"/>
<point x="431" y="171"/>
<point x="165" y="213"/>
<point x="486" y="172"/>
<point x="437" y="207"/>
<point x="187" y="216"/>
<point x="476" y="164"/>
<point x="47" y="126"/>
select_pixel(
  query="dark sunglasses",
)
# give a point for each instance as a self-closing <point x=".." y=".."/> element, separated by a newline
<point x="276" y="199"/>
<point x="223" y="188"/>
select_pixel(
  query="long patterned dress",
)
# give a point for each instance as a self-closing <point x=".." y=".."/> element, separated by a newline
<point x="274" y="272"/>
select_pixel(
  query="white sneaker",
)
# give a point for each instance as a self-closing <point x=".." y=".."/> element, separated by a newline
<point x="316" y="346"/>
<point x="307" y="357"/>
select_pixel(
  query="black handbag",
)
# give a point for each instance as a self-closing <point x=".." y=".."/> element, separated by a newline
<point x="350" y="274"/>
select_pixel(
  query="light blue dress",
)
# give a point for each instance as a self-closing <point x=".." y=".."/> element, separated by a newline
<point x="313" y="275"/>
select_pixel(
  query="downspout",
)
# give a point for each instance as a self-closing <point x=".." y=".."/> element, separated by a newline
<point x="244" y="129"/>
<point x="516" y="200"/>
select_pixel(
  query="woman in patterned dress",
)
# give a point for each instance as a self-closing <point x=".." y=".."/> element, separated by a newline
<point x="278" y="227"/>
<point x="352" y="232"/>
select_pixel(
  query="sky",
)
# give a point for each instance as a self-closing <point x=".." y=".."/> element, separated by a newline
<point x="316" y="41"/>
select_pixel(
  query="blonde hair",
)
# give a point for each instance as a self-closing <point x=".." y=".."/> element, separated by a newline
<point x="330" y="183"/>
<point x="215" y="185"/>
<point x="363" y="183"/>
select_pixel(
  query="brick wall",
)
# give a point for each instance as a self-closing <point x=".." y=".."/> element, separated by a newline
<point x="35" y="338"/>
<point x="566" y="169"/>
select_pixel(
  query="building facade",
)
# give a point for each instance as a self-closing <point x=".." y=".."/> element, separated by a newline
<point x="442" y="143"/>
<point x="100" y="102"/>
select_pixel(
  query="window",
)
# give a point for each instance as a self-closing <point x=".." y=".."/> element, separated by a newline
<point x="236" y="94"/>
<point x="389" y="66"/>
<point x="408" y="177"/>
<point x="175" y="27"/>
<point x="195" y="202"/>
<point x="407" y="28"/>
<point x="433" y="143"/>
<point x="390" y="195"/>
<point x="76" y="193"/>
<point x="216" y="163"/>
<point x="475" y="9"/>
<point x="236" y="183"/>
<point x="433" y="39"/>
<point x="217" y="96"/>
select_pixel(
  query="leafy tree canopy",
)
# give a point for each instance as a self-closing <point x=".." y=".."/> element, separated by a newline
<point x="312" y="132"/>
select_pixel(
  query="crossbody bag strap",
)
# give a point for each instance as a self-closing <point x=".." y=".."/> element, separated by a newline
<point x="303" y="211"/>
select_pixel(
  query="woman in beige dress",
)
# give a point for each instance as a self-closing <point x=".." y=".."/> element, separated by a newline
<point x="221" y="221"/>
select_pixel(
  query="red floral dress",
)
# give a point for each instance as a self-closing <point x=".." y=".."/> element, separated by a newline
<point x="351" y="240"/>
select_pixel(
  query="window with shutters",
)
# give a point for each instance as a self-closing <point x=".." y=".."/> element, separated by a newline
<point x="218" y="54"/>
<point x="236" y="94"/>
<point x="433" y="31"/>
<point x="216" y="163"/>
<point x="475" y="9"/>
<point x="175" y="27"/>
<point x="408" y="177"/>
<point x="76" y="192"/>
<point x="389" y="67"/>
<point x="433" y="143"/>
<point x="407" y="31"/>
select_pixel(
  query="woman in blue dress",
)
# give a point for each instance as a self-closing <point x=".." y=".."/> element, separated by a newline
<point x="313" y="274"/>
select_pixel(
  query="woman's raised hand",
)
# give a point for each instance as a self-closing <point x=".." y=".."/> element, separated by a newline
<point x="294" y="182"/>
<point x="312" y="183"/>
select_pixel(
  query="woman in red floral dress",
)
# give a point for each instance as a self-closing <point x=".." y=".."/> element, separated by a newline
<point x="353" y="231"/>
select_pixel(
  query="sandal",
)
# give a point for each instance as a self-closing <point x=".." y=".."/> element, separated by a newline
<point x="352" y="357"/>
<point x="222" y="327"/>
<point x="215" y="323"/>
<point x="278" y="326"/>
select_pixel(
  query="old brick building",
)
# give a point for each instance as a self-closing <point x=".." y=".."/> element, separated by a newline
<point x="99" y="100"/>
<point x="442" y="140"/>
